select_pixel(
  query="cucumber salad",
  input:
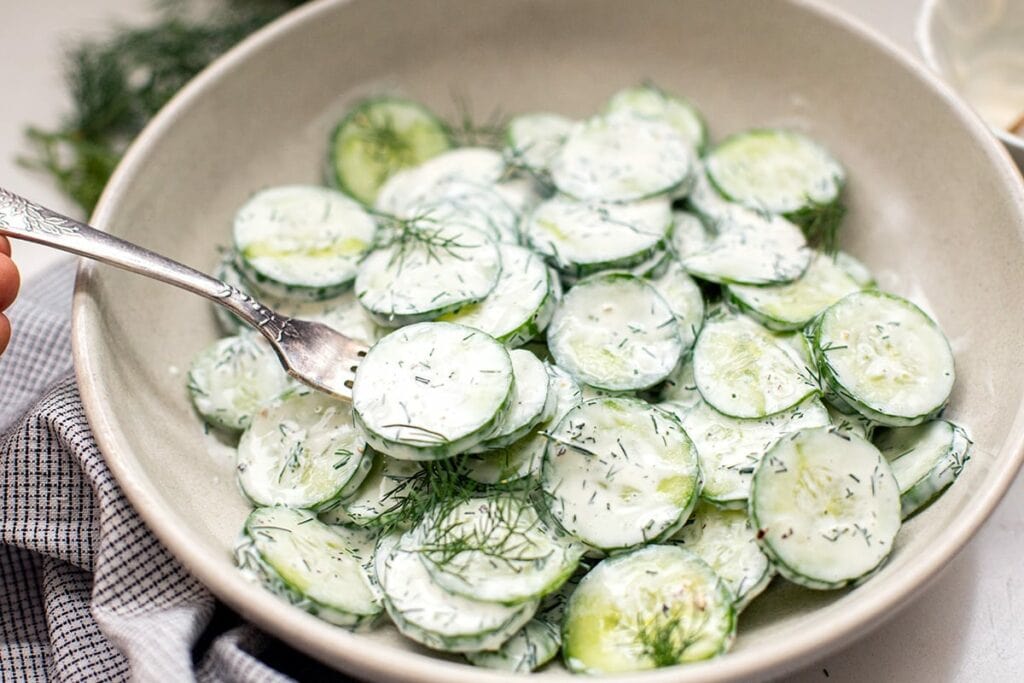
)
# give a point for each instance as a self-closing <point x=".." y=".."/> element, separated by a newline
<point x="619" y="381"/>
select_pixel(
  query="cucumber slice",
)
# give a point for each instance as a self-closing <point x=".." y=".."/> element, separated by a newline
<point x="230" y="379"/>
<point x="408" y="188"/>
<point x="522" y="194"/>
<point x="781" y="172"/>
<point x="614" y="331"/>
<point x="705" y="201"/>
<point x="885" y="358"/>
<point x="533" y="140"/>
<point x="791" y="306"/>
<point x="303" y="451"/>
<point x="680" y="388"/>
<point x="855" y="269"/>
<point x="530" y="648"/>
<point x="431" y="616"/>
<point x="689" y="236"/>
<point x="580" y="238"/>
<point x="854" y="423"/>
<point x="925" y="460"/>
<point x="651" y="102"/>
<point x="619" y="472"/>
<point x="380" y="137"/>
<point x="464" y="204"/>
<point x="302" y="241"/>
<point x="310" y="564"/>
<point x="654" y="266"/>
<point x="522" y="303"/>
<point x="529" y="401"/>
<point x="654" y="607"/>
<point x="726" y="541"/>
<point x="827" y="508"/>
<point x="431" y="390"/>
<point x="751" y="249"/>
<point x="730" y="449"/>
<point x="381" y="493"/>
<point x="743" y="371"/>
<point x="427" y="270"/>
<point x="495" y="549"/>
<point x="684" y="298"/>
<point x="622" y="158"/>
<point x="525" y="456"/>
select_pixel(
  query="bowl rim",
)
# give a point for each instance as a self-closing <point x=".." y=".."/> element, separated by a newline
<point x="924" y="40"/>
<point x="367" y="659"/>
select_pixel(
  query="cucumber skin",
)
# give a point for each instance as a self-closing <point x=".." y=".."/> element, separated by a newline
<point x="283" y="290"/>
<point x="941" y="477"/>
<point x="331" y="167"/>
<point x="832" y="386"/>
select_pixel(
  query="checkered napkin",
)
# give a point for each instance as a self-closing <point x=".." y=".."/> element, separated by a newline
<point x="86" y="591"/>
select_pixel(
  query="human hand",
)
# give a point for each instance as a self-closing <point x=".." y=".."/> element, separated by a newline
<point x="10" y="281"/>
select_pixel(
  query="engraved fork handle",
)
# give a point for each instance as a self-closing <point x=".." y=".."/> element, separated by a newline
<point x="22" y="219"/>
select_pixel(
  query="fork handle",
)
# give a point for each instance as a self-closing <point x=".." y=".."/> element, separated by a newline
<point x="22" y="219"/>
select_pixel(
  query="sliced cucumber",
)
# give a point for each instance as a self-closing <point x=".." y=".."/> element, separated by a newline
<point x="726" y="541"/>
<point x="651" y="102"/>
<point x="230" y="379"/>
<point x="380" y="495"/>
<point x="309" y="564"/>
<point x="522" y="303"/>
<point x="654" y="607"/>
<point x="529" y="401"/>
<point x="302" y="241"/>
<point x="680" y="388"/>
<point x="532" y="646"/>
<point x="614" y="331"/>
<point x="853" y="423"/>
<point x="827" y="508"/>
<point x="431" y="390"/>
<point x="751" y="249"/>
<point x="580" y="238"/>
<point x="431" y="616"/>
<point x="781" y="172"/>
<point x="684" y="298"/>
<point x="411" y="186"/>
<point x="533" y="140"/>
<point x="525" y="456"/>
<point x="496" y="549"/>
<point x="743" y="371"/>
<point x="621" y="158"/>
<point x="380" y="137"/>
<point x="303" y="451"/>
<point x="463" y="204"/>
<point x="427" y="270"/>
<point x="730" y="449"/>
<point x="884" y="357"/>
<point x="619" y="472"/>
<point x="522" y="194"/>
<point x="925" y="460"/>
<point x="689" y="236"/>
<point x="791" y="306"/>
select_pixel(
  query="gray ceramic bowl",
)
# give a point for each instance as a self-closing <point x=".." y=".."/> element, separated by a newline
<point x="935" y="208"/>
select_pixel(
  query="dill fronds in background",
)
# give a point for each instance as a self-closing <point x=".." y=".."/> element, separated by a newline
<point x="119" y="82"/>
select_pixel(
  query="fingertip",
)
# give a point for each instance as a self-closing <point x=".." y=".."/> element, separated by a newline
<point x="5" y="332"/>
<point x="5" y="246"/>
<point x="10" y="282"/>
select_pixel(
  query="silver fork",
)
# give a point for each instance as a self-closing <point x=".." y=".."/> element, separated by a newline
<point x="311" y="352"/>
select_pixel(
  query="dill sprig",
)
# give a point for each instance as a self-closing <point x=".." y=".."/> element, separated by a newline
<point x="119" y="82"/>
<point x="665" y="637"/>
<point x="820" y="223"/>
<point x="419" y="233"/>
<point x="439" y="485"/>
<point x="468" y="131"/>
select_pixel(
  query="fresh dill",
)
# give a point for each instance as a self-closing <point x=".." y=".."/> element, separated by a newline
<point x="820" y="223"/>
<point x="665" y="638"/>
<point x="117" y="83"/>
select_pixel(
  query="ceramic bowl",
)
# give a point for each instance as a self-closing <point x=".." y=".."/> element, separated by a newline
<point x="935" y="208"/>
<point x="977" y="46"/>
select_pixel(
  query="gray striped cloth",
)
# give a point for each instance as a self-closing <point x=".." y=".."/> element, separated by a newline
<point x="87" y="593"/>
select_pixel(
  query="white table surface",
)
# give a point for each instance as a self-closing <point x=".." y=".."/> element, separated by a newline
<point x="967" y="626"/>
